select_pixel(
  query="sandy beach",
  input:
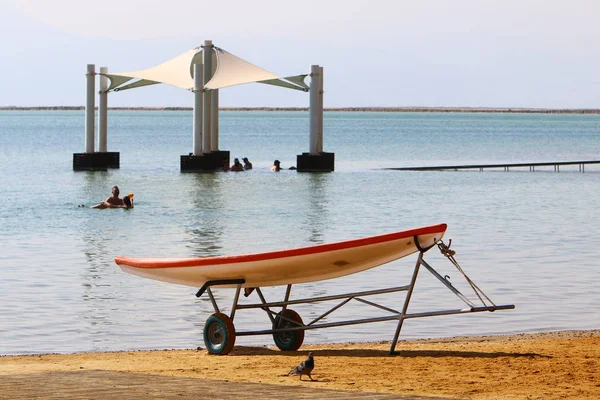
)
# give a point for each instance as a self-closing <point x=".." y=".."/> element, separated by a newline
<point x="557" y="365"/>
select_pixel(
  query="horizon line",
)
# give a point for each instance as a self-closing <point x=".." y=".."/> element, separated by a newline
<point x="330" y="109"/>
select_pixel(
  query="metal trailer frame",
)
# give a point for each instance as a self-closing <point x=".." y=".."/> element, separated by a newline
<point x="288" y="328"/>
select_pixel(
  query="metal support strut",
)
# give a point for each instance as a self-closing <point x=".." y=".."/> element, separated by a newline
<point x="411" y="287"/>
<point x="288" y="328"/>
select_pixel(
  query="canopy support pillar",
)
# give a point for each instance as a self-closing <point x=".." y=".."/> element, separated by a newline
<point x="319" y="115"/>
<point x="90" y="108"/>
<point x="316" y="108"/>
<point x="206" y="156"/>
<point x="109" y="159"/>
<point x="214" y="120"/>
<point x="316" y="160"/>
<point x="207" y="49"/>
<point x="198" y="84"/>
<point x="90" y="159"/>
<point x="103" y="111"/>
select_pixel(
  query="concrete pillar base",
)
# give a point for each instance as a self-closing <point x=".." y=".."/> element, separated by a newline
<point x="322" y="162"/>
<point x="96" y="161"/>
<point x="205" y="163"/>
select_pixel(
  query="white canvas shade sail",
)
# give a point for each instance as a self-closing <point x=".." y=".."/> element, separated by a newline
<point x="229" y="70"/>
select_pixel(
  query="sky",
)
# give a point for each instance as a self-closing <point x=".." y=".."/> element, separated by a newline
<point x="375" y="53"/>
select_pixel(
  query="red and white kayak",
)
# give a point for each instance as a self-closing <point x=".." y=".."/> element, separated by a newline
<point x="283" y="267"/>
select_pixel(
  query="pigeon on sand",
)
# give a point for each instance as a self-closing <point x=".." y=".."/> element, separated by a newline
<point x="305" y="367"/>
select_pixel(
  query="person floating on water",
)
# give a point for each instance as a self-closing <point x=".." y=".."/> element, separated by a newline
<point x="115" y="201"/>
<point x="128" y="201"/>
<point x="247" y="163"/>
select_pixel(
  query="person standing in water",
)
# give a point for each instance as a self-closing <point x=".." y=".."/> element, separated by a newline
<point x="276" y="167"/>
<point x="237" y="166"/>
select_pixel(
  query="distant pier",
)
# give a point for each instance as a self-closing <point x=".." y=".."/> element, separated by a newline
<point x="556" y="165"/>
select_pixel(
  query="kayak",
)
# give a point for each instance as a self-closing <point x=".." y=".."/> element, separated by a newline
<point x="290" y="266"/>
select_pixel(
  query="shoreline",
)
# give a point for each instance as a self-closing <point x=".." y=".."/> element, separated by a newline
<point x="497" y="110"/>
<point x="563" y="364"/>
<point x="334" y="345"/>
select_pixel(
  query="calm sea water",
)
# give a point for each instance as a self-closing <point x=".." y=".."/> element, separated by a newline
<point x="529" y="239"/>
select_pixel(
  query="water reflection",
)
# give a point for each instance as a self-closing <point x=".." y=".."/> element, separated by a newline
<point x="99" y="238"/>
<point x="207" y="226"/>
<point x="93" y="183"/>
<point x="317" y="214"/>
<point x="96" y="287"/>
<point x="97" y="242"/>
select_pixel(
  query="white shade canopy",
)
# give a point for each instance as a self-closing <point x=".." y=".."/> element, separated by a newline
<point x="229" y="70"/>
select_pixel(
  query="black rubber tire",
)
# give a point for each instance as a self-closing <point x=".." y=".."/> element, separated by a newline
<point x="292" y="340"/>
<point x="219" y="334"/>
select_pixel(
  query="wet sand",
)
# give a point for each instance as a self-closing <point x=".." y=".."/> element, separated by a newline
<point x="559" y="365"/>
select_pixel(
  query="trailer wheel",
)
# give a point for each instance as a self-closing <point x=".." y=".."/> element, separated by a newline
<point x="291" y="340"/>
<point x="219" y="334"/>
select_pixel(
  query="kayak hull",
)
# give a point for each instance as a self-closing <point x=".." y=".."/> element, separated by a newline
<point x="292" y="266"/>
